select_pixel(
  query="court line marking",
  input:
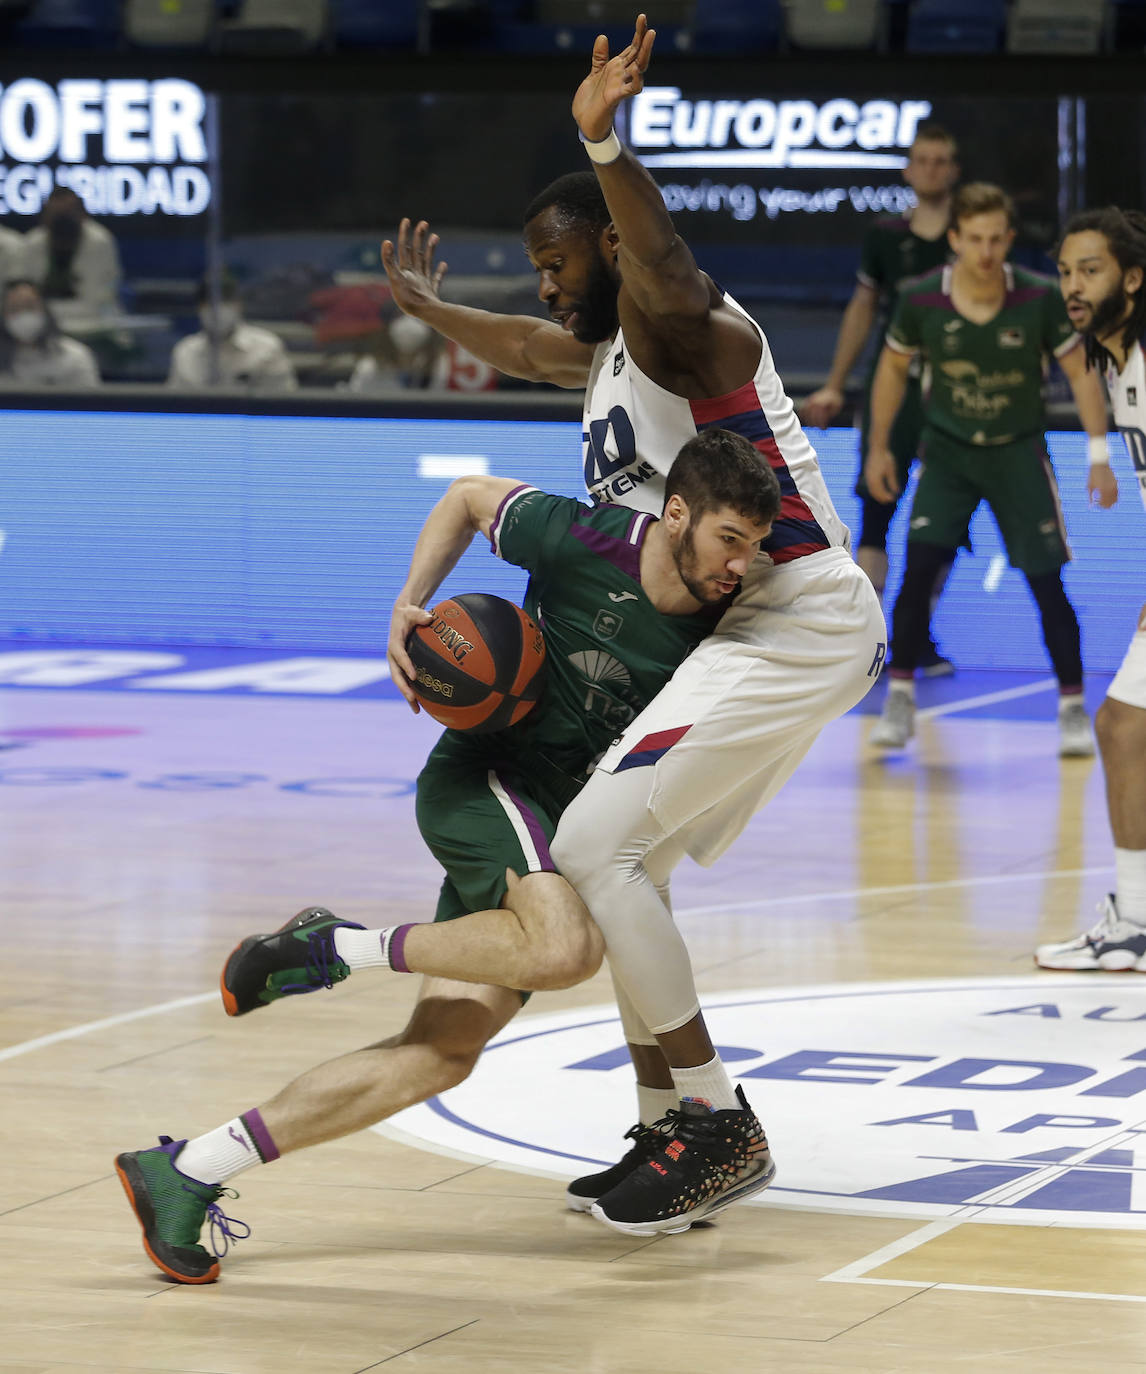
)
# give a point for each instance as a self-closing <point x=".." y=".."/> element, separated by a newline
<point x="858" y="1271"/>
<point x="197" y="999"/>
<point x="949" y="708"/>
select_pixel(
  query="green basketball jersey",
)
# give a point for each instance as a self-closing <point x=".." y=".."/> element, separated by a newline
<point x="983" y="382"/>
<point x="609" y="651"/>
<point x="892" y="252"/>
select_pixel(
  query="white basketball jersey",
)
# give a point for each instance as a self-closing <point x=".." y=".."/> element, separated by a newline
<point x="1128" y="400"/>
<point x="633" y="429"/>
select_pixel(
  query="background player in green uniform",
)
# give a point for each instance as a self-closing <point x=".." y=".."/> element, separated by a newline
<point x="984" y="329"/>
<point x="622" y="597"/>
<point x="896" y="247"/>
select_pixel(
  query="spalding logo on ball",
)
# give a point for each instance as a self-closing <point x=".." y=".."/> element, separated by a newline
<point x="478" y="664"/>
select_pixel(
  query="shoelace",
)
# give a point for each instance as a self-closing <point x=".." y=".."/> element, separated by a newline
<point x="225" y="1231"/>
<point x="320" y="955"/>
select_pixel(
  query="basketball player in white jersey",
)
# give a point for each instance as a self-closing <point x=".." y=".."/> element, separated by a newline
<point x="1102" y="271"/>
<point x="663" y="353"/>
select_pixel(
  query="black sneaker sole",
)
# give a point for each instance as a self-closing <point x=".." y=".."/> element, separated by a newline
<point x="671" y="1226"/>
<point x="135" y="1186"/>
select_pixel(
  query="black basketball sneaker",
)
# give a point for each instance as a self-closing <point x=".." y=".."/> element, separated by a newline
<point x="582" y="1193"/>
<point x="707" y="1161"/>
<point x="299" y="957"/>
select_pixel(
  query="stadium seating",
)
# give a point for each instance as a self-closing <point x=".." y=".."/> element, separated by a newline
<point x="275" y="26"/>
<point x="1056" y="26"/>
<point x="70" y="24"/>
<point x="834" y="23"/>
<point x="736" y="27"/>
<point x="368" y="24"/>
<point x="955" y="26"/>
<point x="168" y="23"/>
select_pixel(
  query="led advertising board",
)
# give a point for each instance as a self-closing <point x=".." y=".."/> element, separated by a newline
<point x="126" y="147"/>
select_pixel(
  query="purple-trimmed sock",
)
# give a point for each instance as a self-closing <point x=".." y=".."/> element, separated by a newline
<point x="228" y="1150"/>
<point x="394" y="946"/>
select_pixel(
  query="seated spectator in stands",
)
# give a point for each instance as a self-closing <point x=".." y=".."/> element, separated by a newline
<point x="403" y="357"/>
<point x="11" y="255"/>
<point x="74" y="260"/>
<point x="227" y="351"/>
<point x="33" y="352"/>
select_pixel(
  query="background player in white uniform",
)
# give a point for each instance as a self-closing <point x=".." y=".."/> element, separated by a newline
<point x="664" y="354"/>
<point x="1102" y="271"/>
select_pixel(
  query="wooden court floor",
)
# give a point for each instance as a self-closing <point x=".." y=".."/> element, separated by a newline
<point x="141" y="837"/>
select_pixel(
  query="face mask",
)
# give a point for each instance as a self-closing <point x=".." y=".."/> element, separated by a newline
<point x="26" y="325"/>
<point x="221" y="321"/>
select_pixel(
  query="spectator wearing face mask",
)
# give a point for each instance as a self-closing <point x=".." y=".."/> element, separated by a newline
<point x="33" y="352"/>
<point x="74" y="260"/>
<point x="228" y="352"/>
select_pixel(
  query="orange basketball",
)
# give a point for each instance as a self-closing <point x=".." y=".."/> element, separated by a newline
<point x="478" y="664"/>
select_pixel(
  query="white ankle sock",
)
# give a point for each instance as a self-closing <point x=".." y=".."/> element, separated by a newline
<point x="360" y="948"/>
<point x="1130" y="871"/>
<point x="902" y="684"/>
<point x="709" y="1082"/>
<point x="227" y="1150"/>
<point x="653" y="1103"/>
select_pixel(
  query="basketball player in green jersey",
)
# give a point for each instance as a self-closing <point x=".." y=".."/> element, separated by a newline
<point x="622" y="598"/>
<point x="895" y="248"/>
<point x="983" y="329"/>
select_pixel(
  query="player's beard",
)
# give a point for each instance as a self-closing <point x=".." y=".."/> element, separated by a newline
<point x="1109" y="313"/>
<point x="597" y="309"/>
<point x="685" y="557"/>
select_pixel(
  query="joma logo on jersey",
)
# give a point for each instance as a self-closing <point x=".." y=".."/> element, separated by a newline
<point x="1012" y="338"/>
<point x="453" y="640"/>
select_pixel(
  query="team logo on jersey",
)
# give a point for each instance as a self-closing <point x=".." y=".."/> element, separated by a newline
<point x="618" y="363"/>
<point x="998" y="1099"/>
<point x="606" y="624"/>
<point x="1012" y="337"/>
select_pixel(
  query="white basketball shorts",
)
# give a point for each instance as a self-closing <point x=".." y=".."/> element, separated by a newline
<point x="799" y="647"/>
<point x="1129" y="683"/>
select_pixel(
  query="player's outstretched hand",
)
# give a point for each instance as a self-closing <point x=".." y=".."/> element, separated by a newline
<point x="1101" y="486"/>
<point x="821" y="407"/>
<point x="879" y="474"/>
<point x="414" y="278"/>
<point x="612" y="80"/>
<point x="403" y="619"/>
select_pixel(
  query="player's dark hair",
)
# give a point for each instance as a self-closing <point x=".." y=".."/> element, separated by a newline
<point x="931" y="132"/>
<point x="577" y="197"/>
<point x="981" y="198"/>
<point x="719" y="468"/>
<point x="1125" y="235"/>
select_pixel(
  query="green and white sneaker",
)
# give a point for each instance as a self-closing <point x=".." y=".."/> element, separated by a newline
<point x="299" y="957"/>
<point x="172" y="1208"/>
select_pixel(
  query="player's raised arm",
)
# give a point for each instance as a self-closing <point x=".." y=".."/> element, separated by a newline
<point x="469" y="507"/>
<point x="518" y="345"/>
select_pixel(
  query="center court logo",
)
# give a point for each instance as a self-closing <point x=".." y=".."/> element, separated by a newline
<point x="1019" y="1099"/>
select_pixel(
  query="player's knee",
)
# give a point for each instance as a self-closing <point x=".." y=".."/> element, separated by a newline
<point x="1121" y="731"/>
<point x="562" y="944"/>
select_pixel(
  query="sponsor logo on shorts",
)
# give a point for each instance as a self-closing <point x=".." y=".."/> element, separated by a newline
<point x="1016" y="1099"/>
<point x="434" y="684"/>
<point x="920" y="522"/>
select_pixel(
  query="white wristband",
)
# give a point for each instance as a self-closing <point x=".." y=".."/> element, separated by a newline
<point x="1098" y="449"/>
<point x="605" y="150"/>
